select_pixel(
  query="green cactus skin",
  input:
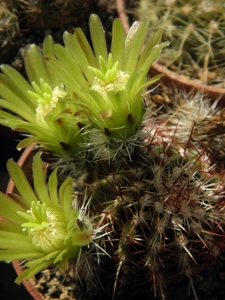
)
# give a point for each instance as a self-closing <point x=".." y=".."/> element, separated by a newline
<point x="196" y="31"/>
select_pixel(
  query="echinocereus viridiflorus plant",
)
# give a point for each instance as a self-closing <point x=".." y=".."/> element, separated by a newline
<point x="147" y="205"/>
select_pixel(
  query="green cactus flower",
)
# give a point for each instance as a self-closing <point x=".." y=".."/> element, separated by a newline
<point x="109" y="86"/>
<point x="80" y="88"/>
<point x="38" y="109"/>
<point x="41" y="226"/>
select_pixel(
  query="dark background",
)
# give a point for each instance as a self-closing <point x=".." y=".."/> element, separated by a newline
<point x="8" y="289"/>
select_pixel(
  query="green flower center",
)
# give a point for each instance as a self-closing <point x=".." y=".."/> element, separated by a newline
<point x="46" y="97"/>
<point x="46" y="227"/>
<point x="108" y="77"/>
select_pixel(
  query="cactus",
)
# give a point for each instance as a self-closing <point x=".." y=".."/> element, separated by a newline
<point x="40" y="14"/>
<point x="145" y="204"/>
<point x="9" y="31"/>
<point x="196" y="31"/>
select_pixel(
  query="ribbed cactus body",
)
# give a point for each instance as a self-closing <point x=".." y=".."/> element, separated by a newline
<point x="9" y="32"/>
<point x="40" y="14"/>
<point x="163" y="211"/>
<point x="196" y="32"/>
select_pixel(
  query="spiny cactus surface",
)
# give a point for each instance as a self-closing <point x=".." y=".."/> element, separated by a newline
<point x="9" y="30"/>
<point x="39" y="14"/>
<point x="196" y="31"/>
